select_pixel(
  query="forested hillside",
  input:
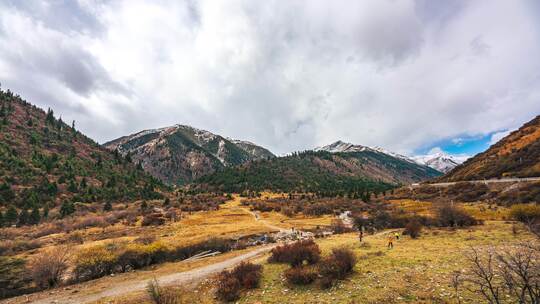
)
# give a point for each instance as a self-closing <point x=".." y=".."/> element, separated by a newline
<point x="320" y="172"/>
<point x="45" y="162"/>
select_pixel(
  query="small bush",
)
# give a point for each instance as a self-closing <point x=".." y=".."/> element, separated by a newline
<point x="145" y="239"/>
<point x="336" y="266"/>
<point x="296" y="253"/>
<point x="75" y="237"/>
<point x="300" y="275"/>
<point x="228" y="287"/>
<point x="48" y="267"/>
<point x="339" y="227"/>
<point x="160" y="295"/>
<point x="153" y="219"/>
<point x="230" y="283"/>
<point x="94" y="262"/>
<point x="413" y="228"/>
<point x="248" y="274"/>
<point x="450" y="216"/>
<point x="525" y="213"/>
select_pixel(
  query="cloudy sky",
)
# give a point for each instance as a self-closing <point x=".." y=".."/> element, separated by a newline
<point x="410" y="76"/>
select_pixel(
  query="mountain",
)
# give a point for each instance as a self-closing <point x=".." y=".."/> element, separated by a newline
<point x="516" y="155"/>
<point x="439" y="161"/>
<point x="333" y="168"/>
<point x="44" y="161"/>
<point x="343" y="147"/>
<point x="179" y="154"/>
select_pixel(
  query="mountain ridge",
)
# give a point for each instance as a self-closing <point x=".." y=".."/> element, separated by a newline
<point x="180" y="153"/>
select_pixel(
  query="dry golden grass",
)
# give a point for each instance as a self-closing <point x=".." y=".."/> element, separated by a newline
<point x="481" y="211"/>
<point x="415" y="271"/>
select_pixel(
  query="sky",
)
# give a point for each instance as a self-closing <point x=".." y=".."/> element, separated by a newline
<point x="413" y="77"/>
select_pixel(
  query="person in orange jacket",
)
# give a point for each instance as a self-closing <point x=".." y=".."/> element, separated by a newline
<point x="390" y="241"/>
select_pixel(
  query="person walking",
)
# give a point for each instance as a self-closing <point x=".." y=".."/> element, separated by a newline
<point x="390" y="241"/>
<point x="361" y="235"/>
<point x="396" y="234"/>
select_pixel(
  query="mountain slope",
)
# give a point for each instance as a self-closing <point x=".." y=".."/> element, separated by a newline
<point x="179" y="154"/>
<point x="45" y="161"/>
<point x="317" y="171"/>
<point x="518" y="154"/>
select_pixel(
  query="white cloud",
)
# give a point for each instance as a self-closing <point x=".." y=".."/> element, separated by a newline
<point x="289" y="75"/>
<point x="498" y="136"/>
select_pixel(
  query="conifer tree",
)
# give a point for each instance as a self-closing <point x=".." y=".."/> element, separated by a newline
<point x="24" y="217"/>
<point x="11" y="215"/>
<point x="34" y="216"/>
<point x="46" y="211"/>
<point x="67" y="208"/>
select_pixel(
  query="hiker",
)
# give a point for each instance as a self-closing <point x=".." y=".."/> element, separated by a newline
<point x="397" y="236"/>
<point x="361" y="235"/>
<point x="390" y="241"/>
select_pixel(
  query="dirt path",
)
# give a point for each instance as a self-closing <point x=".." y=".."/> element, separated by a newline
<point x="186" y="277"/>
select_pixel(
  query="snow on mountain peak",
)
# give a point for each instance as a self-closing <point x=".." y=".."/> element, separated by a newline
<point x="440" y="160"/>
<point x="340" y="146"/>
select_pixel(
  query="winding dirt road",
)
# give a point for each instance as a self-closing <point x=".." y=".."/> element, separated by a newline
<point x="180" y="278"/>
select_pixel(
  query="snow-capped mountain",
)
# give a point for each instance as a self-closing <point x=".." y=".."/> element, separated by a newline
<point x="179" y="153"/>
<point x="440" y="161"/>
<point x="380" y="163"/>
<point x="340" y="146"/>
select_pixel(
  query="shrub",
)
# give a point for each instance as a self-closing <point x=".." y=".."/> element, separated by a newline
<point x="153" y="219"/>
<point x="48" y="267"/>
<point x="248" y="274"/>
<point x="301" y="275"/>
<point x="160" y="295"/>
<point x="93" y="262"/>
<point x="529" y="215"/>
<point x="336" y="266"/>
<point x="450" y="216"/>
<point x="525" y="213"/>
<point x="287" y="211"/>
<point x="296" y="253"/>
<point x="231" y="282"/>
<point x="228" y="287"/>
<point x="339" y="227"/>
<point x="145" y="239"/>
<point x="413" y="228"/>
<point x="75" y="237"/>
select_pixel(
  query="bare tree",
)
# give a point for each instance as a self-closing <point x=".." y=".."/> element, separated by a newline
<point x="483" y="275"/>
<point x="48" y="267"/>
<point x="512" y="271"/>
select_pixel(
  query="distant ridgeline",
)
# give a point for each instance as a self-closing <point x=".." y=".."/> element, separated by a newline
<point x="45" y="162"/>
<point x="328" y="174"/>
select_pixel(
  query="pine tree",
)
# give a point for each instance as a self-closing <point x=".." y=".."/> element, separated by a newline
<point x="11" y="215"/>
<point x="46" y="211"/>
<point x="50" y="116"/>
<point x="67" y="208"/>
<point x="24" y="218"/>
<point x="34" y="216"/>
<point x="72" y="187"/>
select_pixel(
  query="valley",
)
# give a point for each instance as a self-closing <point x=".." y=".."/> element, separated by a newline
<point x="172" y="214"/>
